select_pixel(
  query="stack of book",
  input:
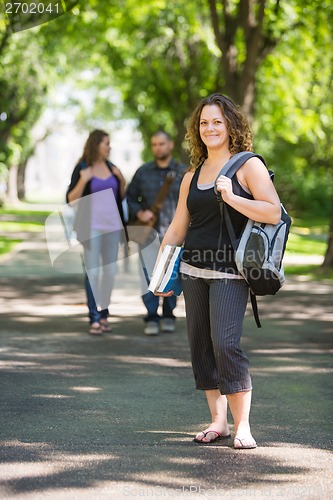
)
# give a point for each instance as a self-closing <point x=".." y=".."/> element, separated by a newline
<point x="166" y="274"/>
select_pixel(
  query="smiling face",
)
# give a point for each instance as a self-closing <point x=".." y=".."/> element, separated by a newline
<point x="212" y="128"/>
<point x="104" y="147"/>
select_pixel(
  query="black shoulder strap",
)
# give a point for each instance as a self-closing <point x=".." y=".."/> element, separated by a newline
<point x="229" y="170"/>
<point x="232" y="165"/>
<point x="82" y="164"/>
<point x="255" y="309"/>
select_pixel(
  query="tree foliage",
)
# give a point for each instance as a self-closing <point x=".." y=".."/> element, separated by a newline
<point x="273" y="57"/>
<point x="22" y="94"/>
<point x="295" y="111"/>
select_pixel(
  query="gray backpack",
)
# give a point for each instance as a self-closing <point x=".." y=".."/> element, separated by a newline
<point x="260" y="248"/>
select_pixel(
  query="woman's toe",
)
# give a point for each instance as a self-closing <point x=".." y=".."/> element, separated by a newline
<point x="200" y="436"/>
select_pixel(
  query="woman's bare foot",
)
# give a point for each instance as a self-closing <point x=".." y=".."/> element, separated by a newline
<point x="105" y="325"/>
<point x="95" y="329"/>
<point x="246" y="442"/>
<point x="213" y="432"/>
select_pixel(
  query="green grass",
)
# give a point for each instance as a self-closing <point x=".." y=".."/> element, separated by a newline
<point x="17" y="227"/>
<point x="317" y="225"/>
<point x="7" y="245"/>
<point x="17" y="220"/>
<point x="310" y="272"/>
<point x="305" y="245"/>
<point x="308" y="237"/>
<point x="24" y="221"/>
<point x="24" y="213"/>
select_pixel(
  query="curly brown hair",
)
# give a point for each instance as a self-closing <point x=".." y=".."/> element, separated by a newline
<point x="240" y="133"/>
<point x="90" y="150"/>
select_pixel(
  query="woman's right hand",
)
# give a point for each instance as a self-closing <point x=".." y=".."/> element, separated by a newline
<point x="86" y="174"/>
<point x="77" y="191"/>
<point x="145" y="216"/>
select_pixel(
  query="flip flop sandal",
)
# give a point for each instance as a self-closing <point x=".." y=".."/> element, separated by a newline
<point x="95" y="330"/>
<point x="244" y="447"/>
<point x="218" y="437"/>
<point x="105" y="326"/>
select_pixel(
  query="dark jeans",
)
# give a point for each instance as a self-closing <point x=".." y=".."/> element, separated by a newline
<point x="100" y="260"/>
<point x="151" y="302"/>
<point x="94" y="314"/>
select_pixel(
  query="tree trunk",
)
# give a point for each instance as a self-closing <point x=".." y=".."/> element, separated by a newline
<point x="11" y="192"/>
<point x="20" y="180"/>
<point x="180" y="153"/>
<point x="239" y="76"/>
<point x="328" y="260"/>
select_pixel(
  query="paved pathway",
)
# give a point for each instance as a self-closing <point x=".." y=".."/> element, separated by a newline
<point x="114" y="417"/>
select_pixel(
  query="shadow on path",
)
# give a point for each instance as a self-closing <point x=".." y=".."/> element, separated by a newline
<point x="115" y="416"/>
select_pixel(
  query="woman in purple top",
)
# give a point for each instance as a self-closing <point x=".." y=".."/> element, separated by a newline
<point x="98" y="187"/>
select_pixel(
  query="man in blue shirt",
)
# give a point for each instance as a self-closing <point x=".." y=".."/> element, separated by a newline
<point x="141" y="195"/>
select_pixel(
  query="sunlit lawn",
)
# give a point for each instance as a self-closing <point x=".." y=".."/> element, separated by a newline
<point x="305" y="244"/>
<point x="7" y="245"/>
<point x="308" y="237"/>
<point x="17" y="227"/>
<point x="26" y="214"/>
<point x="25" y="222"/>
<point x="311" y="272"/>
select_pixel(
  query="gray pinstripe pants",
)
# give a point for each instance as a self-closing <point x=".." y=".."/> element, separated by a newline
<point x="215" y="311"/>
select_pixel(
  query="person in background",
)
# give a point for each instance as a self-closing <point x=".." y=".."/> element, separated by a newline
<point x="141" y="194"/>
<point x="97" y="188"/>
<point x="214" y="292"/>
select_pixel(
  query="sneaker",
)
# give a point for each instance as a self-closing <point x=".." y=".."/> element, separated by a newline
<point x="168" y="325"/>
<point x="151" y="328"/>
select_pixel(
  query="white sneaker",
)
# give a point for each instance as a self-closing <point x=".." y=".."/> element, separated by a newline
<point x="151" y="328"/>
<point x="168" y="325"/>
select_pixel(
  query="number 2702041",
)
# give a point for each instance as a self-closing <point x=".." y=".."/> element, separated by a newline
<point x="32" y="8"/>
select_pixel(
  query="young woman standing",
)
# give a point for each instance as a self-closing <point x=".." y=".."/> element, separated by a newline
<point x="215" y="294"/>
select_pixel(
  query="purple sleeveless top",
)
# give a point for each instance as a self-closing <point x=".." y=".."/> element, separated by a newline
<point x="104" y="211"/>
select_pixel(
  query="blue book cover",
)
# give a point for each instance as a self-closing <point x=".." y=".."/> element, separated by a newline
<point x="166" y="276"/>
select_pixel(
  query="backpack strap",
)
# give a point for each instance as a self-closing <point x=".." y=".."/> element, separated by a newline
<point x="232" y="165"/>
<point x="255" y="309"/>
<point x="229" y="170"/>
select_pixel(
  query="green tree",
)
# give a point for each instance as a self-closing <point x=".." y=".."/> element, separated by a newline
<point x="295" y="114"/>
<point x="23" y="85"/>
<point x="270" y="56"/>
<point x="26" y="73"/>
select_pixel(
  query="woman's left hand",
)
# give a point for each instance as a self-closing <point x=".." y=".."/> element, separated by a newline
<point x="224" y="186"/>
<point x="164" y="294"/>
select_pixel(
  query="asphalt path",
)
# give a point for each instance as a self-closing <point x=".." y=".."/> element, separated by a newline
<point x="114" y="417"/>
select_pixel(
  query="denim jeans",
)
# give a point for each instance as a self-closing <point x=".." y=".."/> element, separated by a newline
<point x="94" y="314"/>
<point x="147" y="259"/>
<point x="152" y="301"/>
<point x="100" y="259"/>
